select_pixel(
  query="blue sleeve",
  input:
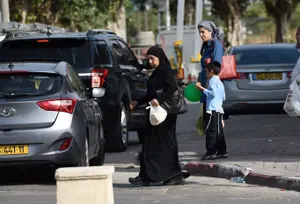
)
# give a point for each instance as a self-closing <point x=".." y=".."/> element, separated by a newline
<point x="218" y="51"/>
<point x="211" y="90"/>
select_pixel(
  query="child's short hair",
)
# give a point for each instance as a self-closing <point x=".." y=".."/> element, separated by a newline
<point x="215" y="66"/>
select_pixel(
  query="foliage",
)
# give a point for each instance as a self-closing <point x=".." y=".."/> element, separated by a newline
<point x="281" y="12"/>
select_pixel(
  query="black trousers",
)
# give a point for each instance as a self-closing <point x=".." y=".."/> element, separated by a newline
<point x="215" y="140"/>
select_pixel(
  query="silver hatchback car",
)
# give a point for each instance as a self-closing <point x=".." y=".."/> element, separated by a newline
<point x="264" y="72"/>
<point x="46" y="117"/>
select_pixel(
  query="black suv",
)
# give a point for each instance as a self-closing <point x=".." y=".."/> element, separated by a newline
<point x="103" y="61"/>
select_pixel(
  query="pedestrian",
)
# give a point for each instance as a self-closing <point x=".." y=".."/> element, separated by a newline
<point x="212" y="50"/>
<point x="215" y="95"/>
<point x="159" y="160"/>
<point x="296" y="70"/>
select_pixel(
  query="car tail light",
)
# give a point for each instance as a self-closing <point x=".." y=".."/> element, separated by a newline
<point x="241" y="75"/>
<point x="289" y="74"/>
<point x="98" y="77"/>
<point x="66" y="144"/>
<point x="62" y="105"/>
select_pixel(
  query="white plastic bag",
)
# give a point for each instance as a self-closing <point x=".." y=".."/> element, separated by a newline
<point x="292" y="102"/>
<point x="157" y="114"/>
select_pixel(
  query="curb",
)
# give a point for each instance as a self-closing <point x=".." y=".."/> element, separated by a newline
<point x="227" y="172"/>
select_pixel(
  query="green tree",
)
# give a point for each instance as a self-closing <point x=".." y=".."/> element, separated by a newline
<point x="231" y="13"/>
<point x="281" y="12"/>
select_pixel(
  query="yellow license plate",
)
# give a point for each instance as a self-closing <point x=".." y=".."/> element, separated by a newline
<point x="14" y="149"/>
<point x="268" y="76"/>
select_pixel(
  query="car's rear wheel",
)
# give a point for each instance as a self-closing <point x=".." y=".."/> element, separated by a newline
<point x="85" y="161"/>
<point x="100" y="158"/>
<point x="117" y="138"/>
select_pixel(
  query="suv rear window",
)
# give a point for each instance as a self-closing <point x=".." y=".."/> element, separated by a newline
<point x="74" y="51"/>
<point x="26" y="85"/>
<point x="266" y="56"/>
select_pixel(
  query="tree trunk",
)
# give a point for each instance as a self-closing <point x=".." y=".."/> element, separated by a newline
<point x="24" y="14"/>
<point x="119" y="25"/>
<point x="235" y="22"/>
<point x="281" y="27"/>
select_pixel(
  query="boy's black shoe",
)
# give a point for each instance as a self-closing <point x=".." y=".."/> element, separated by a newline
<point x="209" y="157"/>
<point x="138" y="181"/>
<point x="222" y="156"/>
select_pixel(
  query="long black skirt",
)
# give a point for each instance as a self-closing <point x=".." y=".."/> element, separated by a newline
<point x="159" y="158"/>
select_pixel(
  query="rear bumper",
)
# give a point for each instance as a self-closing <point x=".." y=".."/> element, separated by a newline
<point x="237" y="99"/>
<point x="43" y="144"/>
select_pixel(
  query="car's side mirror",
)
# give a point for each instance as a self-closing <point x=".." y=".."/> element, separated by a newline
<point x="98" y="92"/>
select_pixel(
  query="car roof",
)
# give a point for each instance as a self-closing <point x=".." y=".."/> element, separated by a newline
<point x="265" y="46"/>
<point x="73" y="35"/>
<point x="33" y="66"/>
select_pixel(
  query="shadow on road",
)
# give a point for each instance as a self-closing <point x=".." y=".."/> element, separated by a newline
<point x="27" y="176"/>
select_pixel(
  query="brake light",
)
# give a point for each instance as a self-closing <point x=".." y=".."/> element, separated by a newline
<point x="61" y="105"/>
<point x="98" y="77"/>
<point x="42" y="41"/>
<point x="66" y="144"/>
<point x="289" y="74"/>
<point x="241" y="75"/>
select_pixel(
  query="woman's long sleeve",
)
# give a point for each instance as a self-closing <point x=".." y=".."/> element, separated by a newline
<point x="170" y="86"/>
<point x="148" y="97"/>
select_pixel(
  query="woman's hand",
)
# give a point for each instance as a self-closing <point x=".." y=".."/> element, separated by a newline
<point x="199" y="86"/>
<point x="154" y="102"/>
<point x="133" y="104"/>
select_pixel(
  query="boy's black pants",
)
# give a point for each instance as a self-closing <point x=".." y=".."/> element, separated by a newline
<point x="215" y="140"/>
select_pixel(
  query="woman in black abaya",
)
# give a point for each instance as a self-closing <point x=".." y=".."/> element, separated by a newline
<point x="159" y="158"/>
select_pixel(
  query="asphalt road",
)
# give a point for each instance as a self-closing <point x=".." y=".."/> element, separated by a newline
<point x="37" y="186"/>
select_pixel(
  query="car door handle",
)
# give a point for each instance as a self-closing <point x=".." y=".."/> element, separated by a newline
<point x="125" y="74"/>
<point x="138" y="75"/>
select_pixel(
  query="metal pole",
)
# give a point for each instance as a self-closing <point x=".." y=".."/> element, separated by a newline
<point x="198" y="18"/>
<point x="5" y="11"/>
<point x="168" y="16"/>
<point x="180" y="20"/>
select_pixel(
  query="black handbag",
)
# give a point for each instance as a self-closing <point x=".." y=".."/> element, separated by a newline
<point x="176" y="105"/>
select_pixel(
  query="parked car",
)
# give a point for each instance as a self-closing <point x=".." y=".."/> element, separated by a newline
<point x="102" y="60"/>
<point x="264" y="72"/>
<point x="47" y="117"/>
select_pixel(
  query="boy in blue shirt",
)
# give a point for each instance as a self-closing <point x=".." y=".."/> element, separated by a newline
<point x="215" y="95"/>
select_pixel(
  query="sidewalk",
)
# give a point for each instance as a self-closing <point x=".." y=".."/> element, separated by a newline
<point x="268" y="146"/>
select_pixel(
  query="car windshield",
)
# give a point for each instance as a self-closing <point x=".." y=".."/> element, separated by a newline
<point x="274" y="55"/>
<point x="73" y="51"/>
<point x="27" y="84"/>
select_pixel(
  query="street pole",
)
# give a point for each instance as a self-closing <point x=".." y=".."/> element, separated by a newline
<point x="198" y="18"/>
<point x="5" y="11"/>
<point x="168" y="16"/>
<point x="180" y="19"/>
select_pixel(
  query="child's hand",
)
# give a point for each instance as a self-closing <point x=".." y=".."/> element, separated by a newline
<point x="199" y="86"/>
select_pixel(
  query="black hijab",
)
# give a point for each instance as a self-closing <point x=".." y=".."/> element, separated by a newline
<point x="160" y="54"/>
